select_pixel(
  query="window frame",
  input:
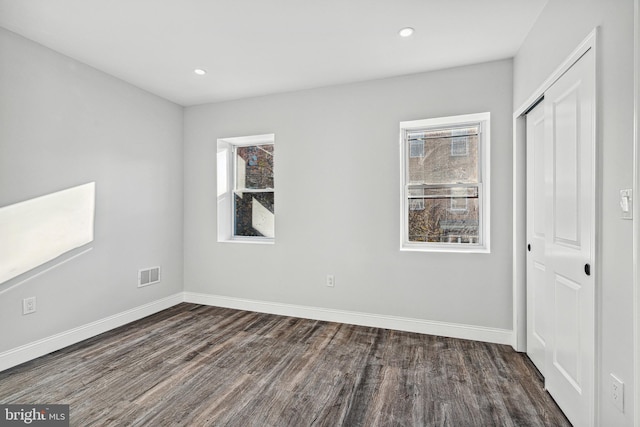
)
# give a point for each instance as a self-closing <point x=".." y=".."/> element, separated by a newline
<point x="483" y="186"/>
<point x="227" y="182"/>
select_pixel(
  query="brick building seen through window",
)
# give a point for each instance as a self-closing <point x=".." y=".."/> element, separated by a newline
<point x="442" y="185"/>
<point x="254" y="191"/>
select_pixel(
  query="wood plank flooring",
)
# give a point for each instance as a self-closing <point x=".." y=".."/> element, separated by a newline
<point x="194" y="365"/>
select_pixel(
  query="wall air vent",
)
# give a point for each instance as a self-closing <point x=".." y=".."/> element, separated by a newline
<point x="148" y="276"/>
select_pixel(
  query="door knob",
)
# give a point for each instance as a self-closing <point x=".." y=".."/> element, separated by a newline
<point x="529" y="247"/>
<point x="587" y="269"/>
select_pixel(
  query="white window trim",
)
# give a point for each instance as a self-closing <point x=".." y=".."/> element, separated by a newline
<point x="225" y="184"/>
<point x="484" y="223"/>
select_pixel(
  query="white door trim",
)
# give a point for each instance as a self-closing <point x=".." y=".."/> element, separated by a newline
<point x="588" y="43"/>
<point x="636" y="210"/>
<point x="519" y="208"/>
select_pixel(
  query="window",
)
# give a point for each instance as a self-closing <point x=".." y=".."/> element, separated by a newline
<point x="445" y="189"/>
<point x="459" y="200"/>
<point x="460" y="146"/>
<point x="416" y="149"/>
<point x="246" y="189"/>
<point x="416" y="203"/>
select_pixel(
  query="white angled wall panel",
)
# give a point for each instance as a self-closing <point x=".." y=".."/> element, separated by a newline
<point x="41" y="229"/>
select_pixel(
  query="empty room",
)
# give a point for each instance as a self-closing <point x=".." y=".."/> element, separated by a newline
<point x="331" y="213"/>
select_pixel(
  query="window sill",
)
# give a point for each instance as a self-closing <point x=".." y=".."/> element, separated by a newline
<point x="250" y="241"/>
<point x="445" y="249"/>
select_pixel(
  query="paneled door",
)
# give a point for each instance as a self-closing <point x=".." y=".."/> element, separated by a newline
<point x="536" y="239"/>
<point x="569" y="154"/>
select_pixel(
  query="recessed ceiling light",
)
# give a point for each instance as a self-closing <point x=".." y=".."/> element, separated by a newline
<point x="406" y="32"/>
<point x="200" y="71"/>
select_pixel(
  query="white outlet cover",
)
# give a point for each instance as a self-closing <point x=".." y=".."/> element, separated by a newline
<point x="29" y="305"/>
<point x="617" y="392"/>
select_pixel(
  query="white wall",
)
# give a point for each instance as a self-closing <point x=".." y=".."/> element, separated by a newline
<point x="62" y="124"/>
<point x="337" y="200"/>
<point x="562" y="25"/>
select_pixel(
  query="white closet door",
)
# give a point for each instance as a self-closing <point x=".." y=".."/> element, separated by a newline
<point x="536" y="239"/>
<point x="569" y="153"/>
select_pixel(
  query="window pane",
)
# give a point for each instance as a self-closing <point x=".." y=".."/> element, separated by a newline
<point x="416" y="148"/>
<point x="254" y="214"/>
<point x="450" y="156"/>
<point x="254" y="167"/>
<point x="448" y="215"/>
<point x="460" y="146"/>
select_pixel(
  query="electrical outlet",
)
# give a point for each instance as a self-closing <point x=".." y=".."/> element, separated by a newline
<point x="331" y="280"/>
<point x="617" y="392"/>
<point x="29" y="305"/>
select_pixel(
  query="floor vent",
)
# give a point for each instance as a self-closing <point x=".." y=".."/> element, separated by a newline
<point x="148" y="276"/>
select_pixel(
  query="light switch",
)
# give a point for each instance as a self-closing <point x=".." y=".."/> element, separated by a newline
<point x="626" y="204"/>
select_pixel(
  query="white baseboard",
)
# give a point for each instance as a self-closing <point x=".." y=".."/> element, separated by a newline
<point x="56" y="342"/>
<point x="19" y="355"/>
<point x="452" y="330"/>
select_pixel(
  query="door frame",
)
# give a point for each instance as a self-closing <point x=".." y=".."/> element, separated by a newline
<point x="519" y="339"/>
<point x="636" y="210"/>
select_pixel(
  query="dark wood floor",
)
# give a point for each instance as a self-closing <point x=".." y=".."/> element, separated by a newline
<point x="193" y="365"/>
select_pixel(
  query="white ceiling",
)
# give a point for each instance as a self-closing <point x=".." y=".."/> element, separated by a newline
<point x="258" y="47"/>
